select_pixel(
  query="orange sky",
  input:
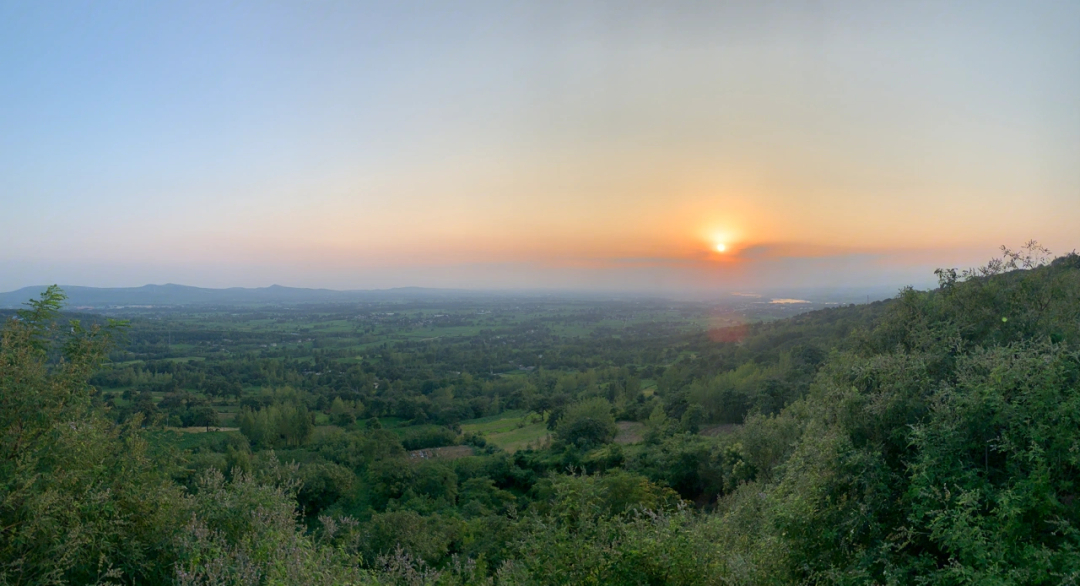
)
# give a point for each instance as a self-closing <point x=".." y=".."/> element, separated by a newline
<point x="587" y="145"/>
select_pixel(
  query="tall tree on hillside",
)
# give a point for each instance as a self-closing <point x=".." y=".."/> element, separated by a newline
<point x="80" y="499"/>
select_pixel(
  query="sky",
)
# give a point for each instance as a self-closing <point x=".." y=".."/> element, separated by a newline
<point x="568" y="145"/>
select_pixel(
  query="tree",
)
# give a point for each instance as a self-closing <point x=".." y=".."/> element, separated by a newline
<point x="657" y="426"/>
<point x="341" y="414"/>
<point x="587" y="423"/>
<point x="277" y="425"/>
<point x="80" y="498"/>
<point x="692" y="419"/>
<point x="205" y="417"/>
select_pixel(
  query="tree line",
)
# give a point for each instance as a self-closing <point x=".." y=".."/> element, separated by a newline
<point x="928" y="439"/>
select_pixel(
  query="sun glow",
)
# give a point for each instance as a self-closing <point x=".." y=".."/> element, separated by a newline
<point x="721" y="247"/>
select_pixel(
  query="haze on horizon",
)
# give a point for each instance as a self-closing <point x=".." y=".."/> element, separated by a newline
<point x="589" y="145"/>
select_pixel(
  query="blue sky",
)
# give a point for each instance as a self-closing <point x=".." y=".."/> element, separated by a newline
<point x="524" y="144"/>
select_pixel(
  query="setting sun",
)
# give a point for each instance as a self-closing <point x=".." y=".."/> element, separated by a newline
<point x="485" y="240"/>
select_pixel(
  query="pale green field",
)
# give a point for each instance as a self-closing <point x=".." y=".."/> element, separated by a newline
<point x="511" y="431"/>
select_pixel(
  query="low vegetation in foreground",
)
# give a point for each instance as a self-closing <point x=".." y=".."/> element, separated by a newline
<point x="930" y="439"/>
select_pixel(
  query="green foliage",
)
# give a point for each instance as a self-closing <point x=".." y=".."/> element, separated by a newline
<point x="276" y="426"/>
<point x="244" y="532"/>
<point x="322" y="484"/>
<point x="931" y="439"/>
<point x="616" y="493"/>
<point x="942" y="451"/>
<point x="583" y="539"/>
<point x="587" y="423"/>
<point x="998" y="460"/>
<point x="342" y="413"/>
<point x="427" y="538"/>
<point x="357" y="449"/>
<point x="657" y="427"/>
<point x="80" y="498"/>
<point x="429" y="437"/>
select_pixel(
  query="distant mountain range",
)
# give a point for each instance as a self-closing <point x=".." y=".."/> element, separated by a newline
<point x="171" y="295"/>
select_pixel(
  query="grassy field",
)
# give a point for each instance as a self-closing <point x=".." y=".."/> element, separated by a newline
<point x="511" y="430"/>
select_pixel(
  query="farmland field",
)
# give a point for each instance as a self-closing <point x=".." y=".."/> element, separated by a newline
<point x="510" y="431"/>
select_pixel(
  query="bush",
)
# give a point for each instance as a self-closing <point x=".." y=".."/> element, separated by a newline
<point x="429" y="437"/>
<point x="587" y="423"/>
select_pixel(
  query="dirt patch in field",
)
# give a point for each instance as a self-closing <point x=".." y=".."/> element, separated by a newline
<point x="446" y="453"/>
<point x="630" y="432"/>
<point x="724" y="429"/>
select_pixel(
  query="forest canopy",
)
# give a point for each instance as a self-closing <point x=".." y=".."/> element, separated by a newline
<point x="933" y="438"/>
